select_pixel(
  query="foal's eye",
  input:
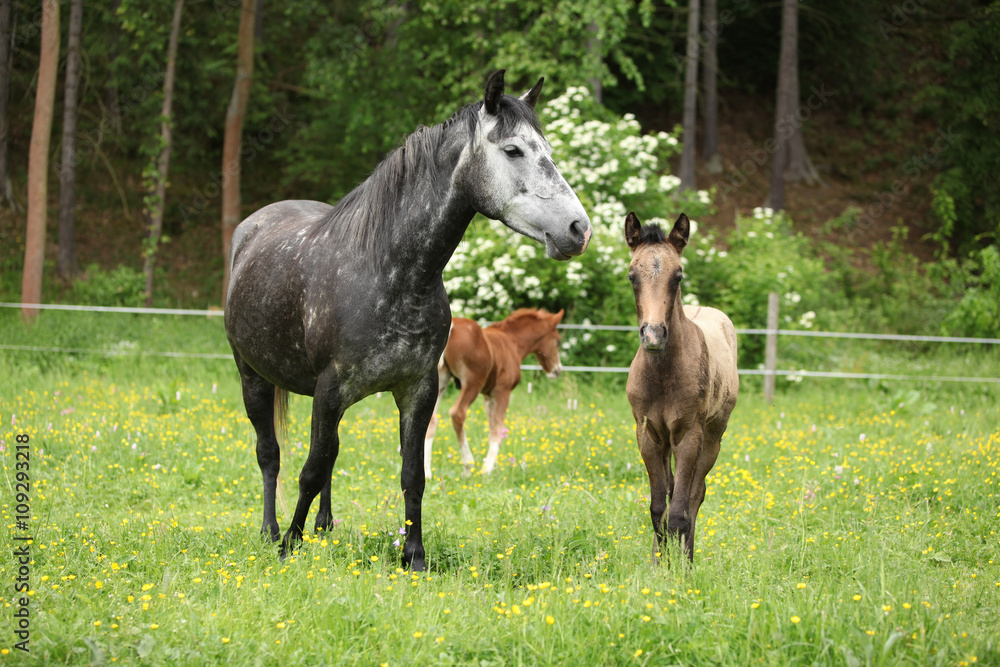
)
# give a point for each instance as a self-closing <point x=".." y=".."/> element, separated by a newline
<point x="632" y="278"/>
<point x="513" y="151"/>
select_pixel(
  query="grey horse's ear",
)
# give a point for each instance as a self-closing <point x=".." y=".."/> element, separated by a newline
<point x="633" y="230"/>
<point x="494" y="92"/>
<point x="531" y="97"/>
<point x="679" y="234"/>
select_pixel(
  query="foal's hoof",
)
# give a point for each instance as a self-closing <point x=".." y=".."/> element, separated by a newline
<point x="270" y="532"/>
<point x="467" y="471"/>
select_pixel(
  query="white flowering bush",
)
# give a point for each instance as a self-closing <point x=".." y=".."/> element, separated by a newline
<point x="763" y="255"/>
<point x="613" y="168"/>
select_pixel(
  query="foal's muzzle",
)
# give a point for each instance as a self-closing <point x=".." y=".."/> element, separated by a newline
<point x="653" y="336"/>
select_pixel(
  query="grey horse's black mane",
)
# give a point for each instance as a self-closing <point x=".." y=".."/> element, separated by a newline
<point x="363" y="219"/>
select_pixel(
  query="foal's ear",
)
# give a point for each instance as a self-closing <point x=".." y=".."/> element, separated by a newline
<point x="557" y="317"/>
<point x="679" y="234"/>
<point x="531" y="97"/>
<point x="633" y="231"/>
<point x="494" y="92"/>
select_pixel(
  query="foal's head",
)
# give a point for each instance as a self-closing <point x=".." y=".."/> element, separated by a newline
<point x="547" y="349"/>
<point x="656" y="274"/>
<point x="509" y="174"/>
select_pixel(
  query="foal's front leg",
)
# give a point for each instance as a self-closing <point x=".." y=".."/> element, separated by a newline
<point x="656" y="458"/>
<point x="687" y="452"/>
<point x="416" y="407"/>
<point x="496" y="412"/>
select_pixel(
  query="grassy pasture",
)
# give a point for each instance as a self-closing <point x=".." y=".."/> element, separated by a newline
<point x="848" y="524"/>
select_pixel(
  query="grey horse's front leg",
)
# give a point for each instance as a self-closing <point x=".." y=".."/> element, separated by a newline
<point x="416" y="407"/>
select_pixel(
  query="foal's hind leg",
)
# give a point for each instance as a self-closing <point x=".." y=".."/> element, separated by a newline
<point x="443" y="378"/>
<point x="328" y="408"/>
<point x="258" y="398"/>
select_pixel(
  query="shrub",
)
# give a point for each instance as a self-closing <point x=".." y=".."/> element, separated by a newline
<point x="121" y="286"/>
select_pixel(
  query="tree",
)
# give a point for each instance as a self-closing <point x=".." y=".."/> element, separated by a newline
<point x="790" y="162"/>
<point x="156" y="199"/>
<point x="709" y="77"/>
<point x="686" y="172"/>
<point x="231" y="212"/>
<point x="6" y="58"/>
<point x="66" y="259"/>
<point x="38" y="160"/>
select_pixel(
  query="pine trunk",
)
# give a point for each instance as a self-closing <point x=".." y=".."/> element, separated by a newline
<point x="231" y="211"/>
<point x="66" y="258"/>
<point x="790" y="162"/>
<point x="6" y="58"/>
<point x="38" y="160"/>
<point x="690" y="99"/>
<point x="154" y="212"/>
<point x="709" y="74"/>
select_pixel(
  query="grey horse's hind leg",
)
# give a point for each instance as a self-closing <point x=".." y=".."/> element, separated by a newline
<point x="258" y="398"/>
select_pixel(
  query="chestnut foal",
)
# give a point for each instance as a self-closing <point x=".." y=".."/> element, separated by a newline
<point x="682" y="384"/>
<point x="488" y="362"/>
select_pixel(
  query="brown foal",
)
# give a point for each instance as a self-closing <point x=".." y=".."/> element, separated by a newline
<point x="682" y="384"/>
<point x="488" y="362"/>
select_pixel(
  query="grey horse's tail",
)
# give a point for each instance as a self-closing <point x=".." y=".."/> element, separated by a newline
<point x="281" y="433"/>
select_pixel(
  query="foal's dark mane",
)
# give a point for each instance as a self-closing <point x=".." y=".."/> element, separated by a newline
<point x="652" y="234"/>
<point x="363" y="220"/>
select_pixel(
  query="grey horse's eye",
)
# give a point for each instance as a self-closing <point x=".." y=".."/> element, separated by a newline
<point x="513" y="151"/>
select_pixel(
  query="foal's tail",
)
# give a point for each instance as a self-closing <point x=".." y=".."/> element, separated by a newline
<point x="281" y="433"/>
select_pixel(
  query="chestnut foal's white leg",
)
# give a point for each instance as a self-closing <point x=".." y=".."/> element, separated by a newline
<point x="458" y="413"/>
<point x="443" y="378"/>
<point x="496" y="411"/>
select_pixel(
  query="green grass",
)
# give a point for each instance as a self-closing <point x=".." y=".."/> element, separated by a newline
<point x="816" y="545"/>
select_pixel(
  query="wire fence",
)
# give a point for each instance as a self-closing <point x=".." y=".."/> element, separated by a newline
<point x="791" y="373"/>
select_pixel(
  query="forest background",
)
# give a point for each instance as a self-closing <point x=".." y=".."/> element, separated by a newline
<point x="888" y="224"/>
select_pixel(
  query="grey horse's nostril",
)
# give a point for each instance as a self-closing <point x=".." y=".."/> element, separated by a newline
<point x="577" y="230"/>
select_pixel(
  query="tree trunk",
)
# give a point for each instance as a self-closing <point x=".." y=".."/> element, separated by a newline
<point x="690" y="99"/>
<point x="38" y="160"/>
<point x="6" y="58"/>
<point x="66" y="259"/>
<point x="231" y="213"/>
<point x="111" y="105"/>
<point x="594" y="48"/>
<point x="790" y="163"/>
<point x="709" y="74"/>
<point x="154" y="210"/>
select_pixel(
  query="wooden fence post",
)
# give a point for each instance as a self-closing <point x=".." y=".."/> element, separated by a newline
<point x="771" y="346"/>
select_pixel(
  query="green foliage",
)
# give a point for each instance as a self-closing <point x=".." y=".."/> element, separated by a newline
<point x="380" y="68"/>
<point x="966" y="199"/>
<point x="122" y="286"/>
<point x="978" y="313"/>
<point x="764" y="255"/>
